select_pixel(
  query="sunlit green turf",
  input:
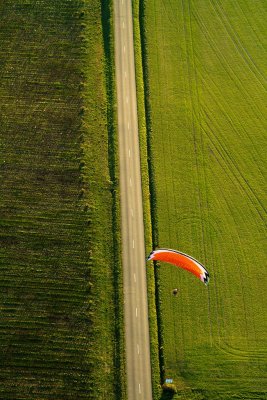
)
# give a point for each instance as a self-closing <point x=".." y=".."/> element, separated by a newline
<point x="207" y="82"/>
<point x="57" y="311"/>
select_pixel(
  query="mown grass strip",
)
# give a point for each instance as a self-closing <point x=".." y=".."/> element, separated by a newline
<point x="147" y="186"/>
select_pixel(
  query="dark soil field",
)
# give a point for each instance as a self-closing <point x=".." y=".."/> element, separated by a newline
<point x="57" y="329"/>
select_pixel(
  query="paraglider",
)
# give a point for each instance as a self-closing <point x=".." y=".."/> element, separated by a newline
<point x="181" y="260"/>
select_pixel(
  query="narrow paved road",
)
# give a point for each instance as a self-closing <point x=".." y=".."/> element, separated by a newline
<point x="133" y="247"/>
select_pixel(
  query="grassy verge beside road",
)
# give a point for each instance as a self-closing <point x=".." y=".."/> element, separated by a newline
<point x="207" y="92"/>
<point x="144" y="156"/>
<point x="59" y="336"/>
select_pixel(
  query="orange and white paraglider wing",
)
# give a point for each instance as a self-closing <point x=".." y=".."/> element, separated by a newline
<point x="181" y="260"/>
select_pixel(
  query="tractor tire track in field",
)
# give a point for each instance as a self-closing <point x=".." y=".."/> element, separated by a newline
<point x="194" y="101"/>
<point x="226" y="163"/>
<point x="251" y="26"/>
<point x="227" y="117"/>
<point x="243" y="355"/>
<point x="248" y="60"/>
<point x="197" y="135"/>
<point x="254" y="108"/>
<point x="232" y="167"/>
<point x="230" y="116"/>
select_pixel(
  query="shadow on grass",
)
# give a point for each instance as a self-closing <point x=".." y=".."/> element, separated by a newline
<point x="166" y="396"/>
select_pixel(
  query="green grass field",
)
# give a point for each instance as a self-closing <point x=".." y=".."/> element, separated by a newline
<point x="206" y="68"/>
<point x="58" y="334"/>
